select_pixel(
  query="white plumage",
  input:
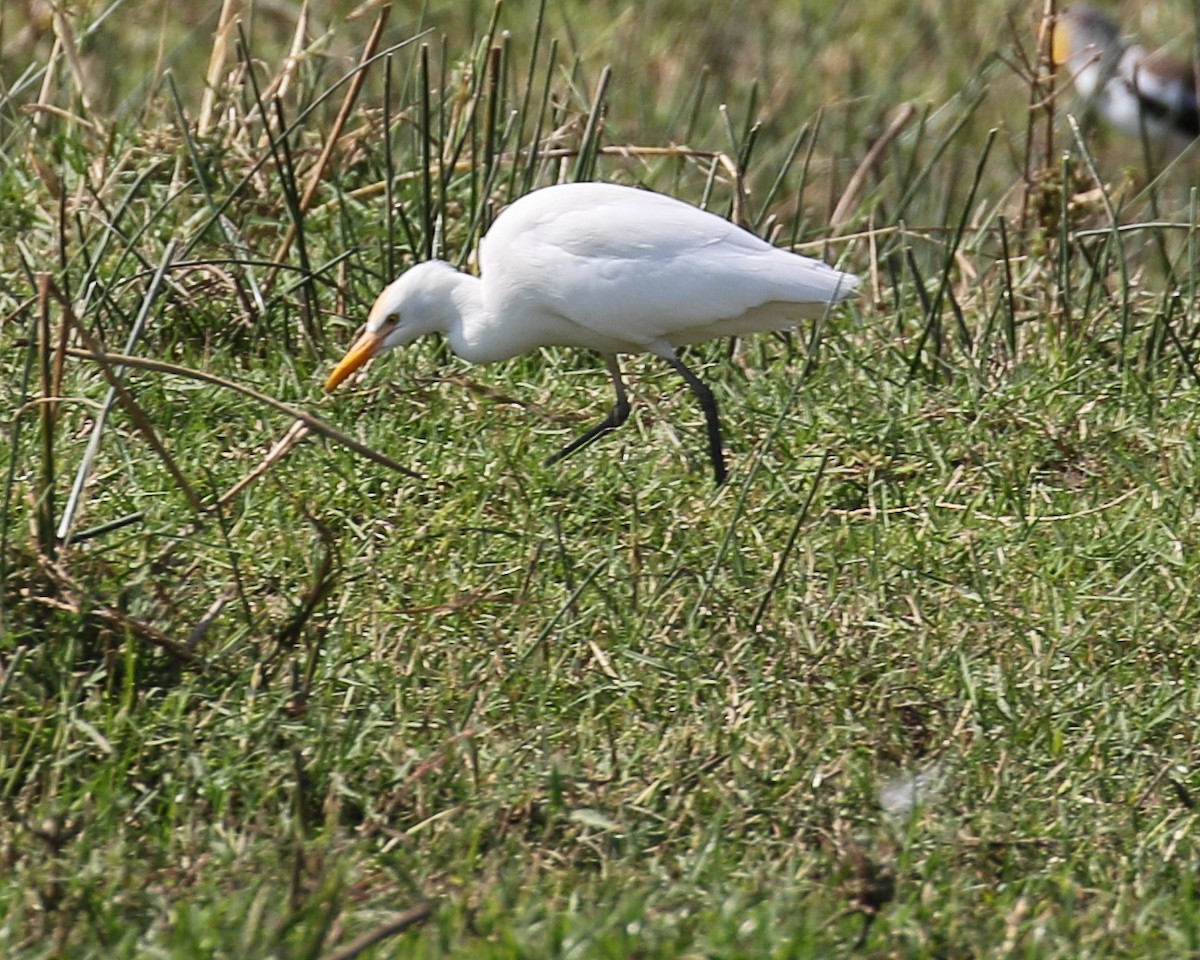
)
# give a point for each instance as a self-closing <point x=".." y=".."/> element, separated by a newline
<point x="611" y="269"/>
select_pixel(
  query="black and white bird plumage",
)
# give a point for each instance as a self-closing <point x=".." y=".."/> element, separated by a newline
<point x="1139" y="92"/>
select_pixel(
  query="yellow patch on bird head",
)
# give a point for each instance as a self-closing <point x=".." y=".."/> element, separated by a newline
<point x="1060" y="49"/>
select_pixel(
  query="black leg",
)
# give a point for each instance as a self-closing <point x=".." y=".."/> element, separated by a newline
<point x="708" y="403"/>
<point x="617" y="416"/>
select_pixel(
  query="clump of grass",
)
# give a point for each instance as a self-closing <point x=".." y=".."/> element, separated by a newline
<point x="360" y="676"/>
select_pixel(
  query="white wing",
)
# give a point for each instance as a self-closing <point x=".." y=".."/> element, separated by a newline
<point x="620" y="269"/>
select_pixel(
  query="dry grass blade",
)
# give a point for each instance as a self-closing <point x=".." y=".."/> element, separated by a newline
<point x="85" y="467"/>
<point x="46" y="92"/>
<point x="77" y="599"/>
<point x="288" y="442"/>
<point x="66" y="34"/>
<point x="216" y="63"/>
<point x="139" y="418"/>
<point x="397" y="924"/>
<point x="282" y="81"/>
<point x="853" y="192"/>
<point x="136" y="414"/>
<point x="285" y="445"/>
<point x="313" y="423"/>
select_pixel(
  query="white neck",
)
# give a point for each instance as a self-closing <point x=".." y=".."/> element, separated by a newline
<point x="465" y="312"/>
<point x="476" y="333"/>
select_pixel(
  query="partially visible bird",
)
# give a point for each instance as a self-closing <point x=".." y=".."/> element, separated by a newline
<point x="1139" y="92"/>
<point x="610" y="268"/>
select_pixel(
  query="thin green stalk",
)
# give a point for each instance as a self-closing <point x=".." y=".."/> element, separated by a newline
<point x="532" y="164"/>
<point x="793" y="536"/>
<point x="44" y="491"/>
<point x="425" y="132"/>
<point x="1010" y="306"/>
<point x="539" y="27"/>
<point x="955" y="243"/>
<point x="310" y="307"/>
<point x="204" y="180"/>
<point x="585" y="165"/>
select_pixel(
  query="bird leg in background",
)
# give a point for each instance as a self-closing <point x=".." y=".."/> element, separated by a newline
<point x="617" y="416"/>
<point x="708" y="403"/>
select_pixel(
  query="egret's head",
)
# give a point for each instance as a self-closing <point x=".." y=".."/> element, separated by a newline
<point x="413" y="305"/>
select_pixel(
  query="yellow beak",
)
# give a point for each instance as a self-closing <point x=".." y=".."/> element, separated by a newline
<point x="1061" y="51"/>
<point x="367" y="346"/>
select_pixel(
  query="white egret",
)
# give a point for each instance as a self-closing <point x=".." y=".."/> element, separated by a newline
<point x="610" y="268"/>
<point x="1136" y="91"/>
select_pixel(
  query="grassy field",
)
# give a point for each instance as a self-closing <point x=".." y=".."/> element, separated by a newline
<point x="920" y="681"/>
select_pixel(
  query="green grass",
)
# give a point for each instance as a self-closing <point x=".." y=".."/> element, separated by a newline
<point x="599" y="709"/>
